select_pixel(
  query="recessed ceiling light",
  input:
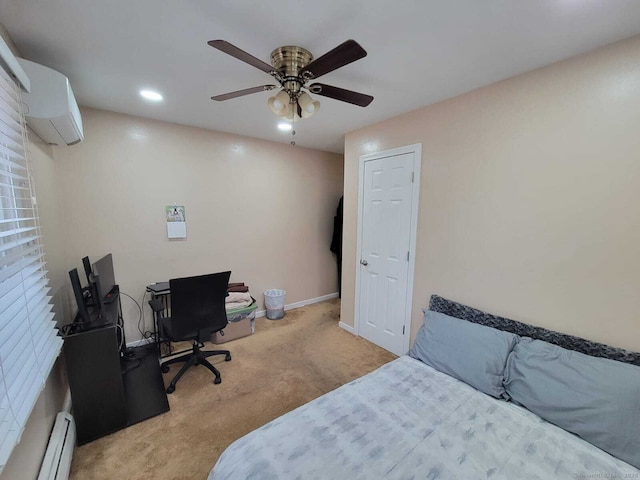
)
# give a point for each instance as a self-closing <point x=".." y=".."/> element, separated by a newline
<point x="151" y="95"/>
<point x="284" y="127"/>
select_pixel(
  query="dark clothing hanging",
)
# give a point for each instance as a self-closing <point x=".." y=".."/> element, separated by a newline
<point x="336" y="242"/>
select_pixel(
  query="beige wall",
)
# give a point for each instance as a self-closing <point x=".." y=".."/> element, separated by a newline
<point x="26" y="458"/>
<point x="263" y="210"/>
<point x="530" y="197"/>
<point x="49" y="202"/>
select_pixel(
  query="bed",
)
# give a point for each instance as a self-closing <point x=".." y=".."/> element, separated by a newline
<point x="410" y="420"/>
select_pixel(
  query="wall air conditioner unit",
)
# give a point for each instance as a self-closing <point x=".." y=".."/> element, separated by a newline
<point x="51" y="109"/>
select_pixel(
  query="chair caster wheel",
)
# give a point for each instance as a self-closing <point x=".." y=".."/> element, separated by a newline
<point x="171" y="389"/>
<point x="227" y="358"/>
<point x="164" y="368"/>
<point x="217" y="381"/>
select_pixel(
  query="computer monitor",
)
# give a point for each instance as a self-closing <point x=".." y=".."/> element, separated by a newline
<point x="102" y="304"/>
<point x="103" y="269"/>
<point x="83" y="313"/>
<point x="97" y="293"/>
<point x="87" y="269"/>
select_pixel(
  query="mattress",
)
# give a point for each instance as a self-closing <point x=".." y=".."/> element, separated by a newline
<point x="407" y="420"/>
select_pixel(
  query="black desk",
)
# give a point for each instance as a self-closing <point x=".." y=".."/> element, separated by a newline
<point x="110" y="392"/>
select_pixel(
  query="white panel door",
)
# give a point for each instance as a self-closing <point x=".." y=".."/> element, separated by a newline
<point x="384" y="247"/>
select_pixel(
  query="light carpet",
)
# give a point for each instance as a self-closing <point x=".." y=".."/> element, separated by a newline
<point x="283" y="365"/>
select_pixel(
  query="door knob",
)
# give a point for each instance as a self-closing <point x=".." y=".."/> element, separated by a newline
<point x="364" y="262"/>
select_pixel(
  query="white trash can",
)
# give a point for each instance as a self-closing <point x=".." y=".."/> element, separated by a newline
<point x="274" y="303"/>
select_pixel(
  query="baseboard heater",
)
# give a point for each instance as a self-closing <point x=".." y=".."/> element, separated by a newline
<point x="57" y="459"/>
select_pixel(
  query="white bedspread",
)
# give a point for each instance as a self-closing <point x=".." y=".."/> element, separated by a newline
<point x="409" y="421"/>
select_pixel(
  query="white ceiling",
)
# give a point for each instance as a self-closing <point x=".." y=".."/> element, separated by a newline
<point x="419" y="52"/>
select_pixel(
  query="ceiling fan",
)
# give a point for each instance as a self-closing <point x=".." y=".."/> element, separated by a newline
<point x="293" y="68"/>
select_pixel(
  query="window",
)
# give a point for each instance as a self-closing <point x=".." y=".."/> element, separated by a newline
<point x="29" y="344"/>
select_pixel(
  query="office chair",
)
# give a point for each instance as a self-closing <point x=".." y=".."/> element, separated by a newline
<point x="197" y="311"/>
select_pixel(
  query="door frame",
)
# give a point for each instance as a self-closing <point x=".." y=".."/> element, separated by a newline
<point x="416" y="149"/>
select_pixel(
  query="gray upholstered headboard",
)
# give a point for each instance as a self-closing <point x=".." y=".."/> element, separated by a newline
<point x="458" y="310"/>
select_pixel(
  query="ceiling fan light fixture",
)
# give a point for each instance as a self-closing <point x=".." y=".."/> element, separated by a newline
<point x="308" y="105"/>
<point x="293" y="67"/>
<point x="291" y="116"/>
<point x="279" y="104"/>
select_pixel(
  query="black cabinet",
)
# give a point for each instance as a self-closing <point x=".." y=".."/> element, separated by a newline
<point x="95" y="380"/>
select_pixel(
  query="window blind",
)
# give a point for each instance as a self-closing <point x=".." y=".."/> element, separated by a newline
<point x="29" y="343"/>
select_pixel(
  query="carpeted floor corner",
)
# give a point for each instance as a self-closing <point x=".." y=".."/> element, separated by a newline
<point x="285" y="364"/>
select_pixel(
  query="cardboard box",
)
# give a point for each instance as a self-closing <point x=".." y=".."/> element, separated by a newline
<point x="233" y="330"/>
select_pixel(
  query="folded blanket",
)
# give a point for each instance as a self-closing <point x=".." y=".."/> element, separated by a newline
<point x="237" y="284"/>
<point x="234" y="297"/>
<point x="234" y="305"/>
<point x="238" y="289"/>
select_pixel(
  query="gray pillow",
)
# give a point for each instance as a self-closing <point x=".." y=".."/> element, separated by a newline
<point x="469" y="352"/>
<point x="596" y="398"/>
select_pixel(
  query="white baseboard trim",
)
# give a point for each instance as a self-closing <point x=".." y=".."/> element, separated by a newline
<point x="137" y="343"/>
<point x="348" y="328"/>
<point x="310" y="301"/>
<point x="262" y="313"/>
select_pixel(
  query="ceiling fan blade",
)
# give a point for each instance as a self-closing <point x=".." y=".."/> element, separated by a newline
<point x="299" y="109"/>
<point x="342" y="55"/>
<point x="240" y="93"/>
<point x="341" y="94"/>
<point x="234" y="51"/>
